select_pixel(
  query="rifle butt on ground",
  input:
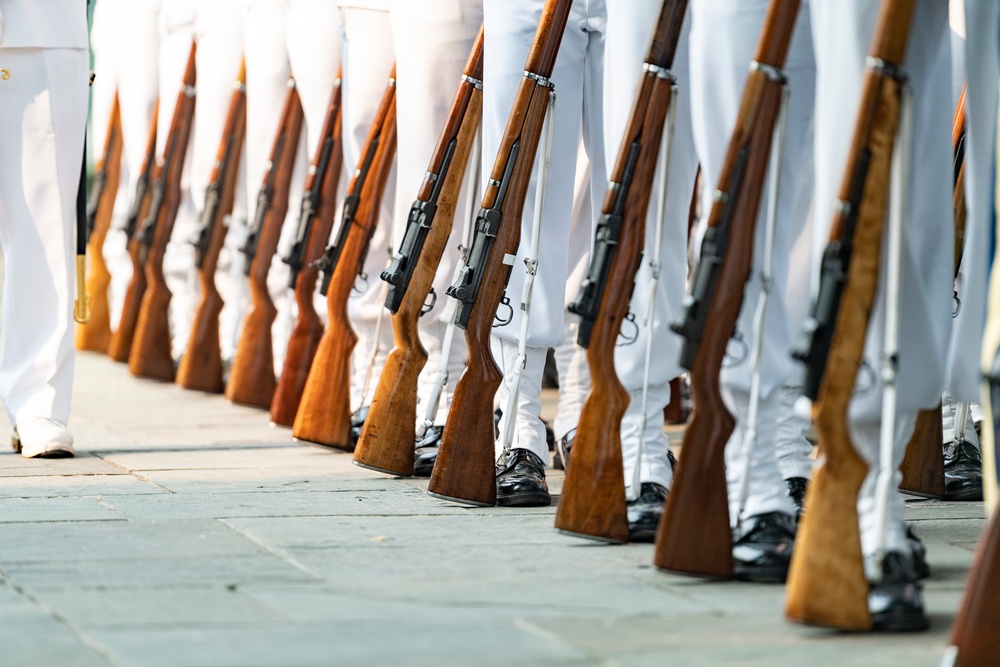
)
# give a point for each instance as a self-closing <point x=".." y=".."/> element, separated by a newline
<point x="973" y="636"/>
<point x="923" y="464"/>
<point x="201" y="366"/>
<point x="302" y="346"/>
<point x="464" y="470"/>
<point x="389" y="433"/>
<point x="150" y="354"/>
<point x="251" y="379"/>
<point x="324" y="414"/>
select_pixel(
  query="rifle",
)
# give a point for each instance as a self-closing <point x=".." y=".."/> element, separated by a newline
<point x="150" y="355"/>
<point x="315" y="224"/>
<point x="324" y="415"/>
<point x="389" y="431"/>
<point x="465" y="472"/>
<point x="201" y="365"/>
<point x="698" y="504"/>
<point x="251" y="379"/>
<point x="121" y="339"/>
<point x="592" y="503"/>
<point x="96" y="333"/>
<point x="973" y="636"/>
<point x="923" y="463"/>
<point x="826" y="580"/>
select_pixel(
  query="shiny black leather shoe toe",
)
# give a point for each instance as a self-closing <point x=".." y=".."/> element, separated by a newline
<point x="521" y="480"/>
<point x="560" y="457"/>
<point x="644" y="512"/>
<point x="797" y="492"/>
<point x="762" y="549"/>
<point x="427" y="451"/>
<point x="963" y="471"/>
<point x="896" y="602"/>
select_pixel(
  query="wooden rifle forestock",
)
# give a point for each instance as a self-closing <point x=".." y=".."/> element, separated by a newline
<point x="324" y="415"/>
<point x="150" y="356"/>
<point x="389" y="431"/>
<point x="464" y="469"/>
<point x="698" y="504"/>
<point x="308" y="327"/>
<point x="826" y="580"/>
<point x="201" y="366"/>
<point x="121" y="340"/>
<point x="251" y="379"/>
<point x="923" y="462"/>
<point x="592" y="502"/>
<point x="95" y="335"/>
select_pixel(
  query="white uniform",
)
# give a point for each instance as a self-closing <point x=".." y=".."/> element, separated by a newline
<point x="842" y="34"/>
<point x="628" y="38"/>
<point x="432" y="41"/>
<point x="724" y="36"/>
<point x="126" y="43"/>
<point x="43" y="113"/>
<point x="368" y="60"/>
<point x="577" y="77"/>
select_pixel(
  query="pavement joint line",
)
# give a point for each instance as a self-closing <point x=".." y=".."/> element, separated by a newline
<point x="275" y="551"/>
<point x="138" y="475"/>
<point x="85" y="638"/>
<point x="545" y="635"/>
<point x="180" y="449"/>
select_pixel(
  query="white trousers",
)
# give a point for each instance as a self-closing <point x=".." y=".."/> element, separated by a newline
<point x="126" y="43"/>
<point x="43" y="109"/>
<point x="980" y="49"/>
<point x="577" y="77"/>
<point x="724" y="36"/>
<point x="432" y="41"/>
<point x="368" y="59"/>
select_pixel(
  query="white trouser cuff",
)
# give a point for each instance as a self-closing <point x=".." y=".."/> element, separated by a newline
<point x="529" y="431"/>
<point x="791" y="447"/>
<point x="654" y="465"/>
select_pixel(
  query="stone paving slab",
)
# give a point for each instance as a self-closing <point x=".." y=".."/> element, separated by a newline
<point x="190" y="532"/>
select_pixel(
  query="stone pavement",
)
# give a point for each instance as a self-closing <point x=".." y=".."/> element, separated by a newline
<point x="188" y="532"/>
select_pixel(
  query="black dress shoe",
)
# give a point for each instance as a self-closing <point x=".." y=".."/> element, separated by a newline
<point x="763" y="548"/>
<point x="896" y="603"/>
<point x="427" y="451"/>
<point x="797" y="491"/>
<point x="357" y="423"/>
<point x="963" y="471"/>
<point x="521" y="480"/>
<point x="645" y="511"/>
<point x="560" y="457"/>
<point x="919" y="551"/>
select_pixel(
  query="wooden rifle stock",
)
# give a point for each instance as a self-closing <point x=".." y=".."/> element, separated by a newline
<point x="973" y="635"/>
<point x="592" y="503"/>
<point x="826" y="580"/>
<point x="251" y="379"/>
<point x="694" y="536"/>
<point x="389" y="432"/>
<point x="150" y="356"/>
<point x="121" y="340"/>
<point x="321" y="184"/>
<point x="95" y="335"/>
<point x="201" y="365"/>
<point x="324" y="415"/>
<point x="923" y="463"/>
<point x="464" y="469"/>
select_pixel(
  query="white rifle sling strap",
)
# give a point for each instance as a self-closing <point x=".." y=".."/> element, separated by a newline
<point x="899" y="180"/>
<point x="531" y="267"/>
<point x="663" y="165"/>
<point x="760" y="315"/>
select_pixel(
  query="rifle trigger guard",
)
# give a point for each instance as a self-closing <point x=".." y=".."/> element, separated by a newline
<point x="504" y="302"/>
<point x="865" y="372"/>
<point x="958" y="304"/>
<point x="733" y="360"/>
<point x="429" y="304"/>
<point x="628" y="340"/>
<point x="363" y="277"/>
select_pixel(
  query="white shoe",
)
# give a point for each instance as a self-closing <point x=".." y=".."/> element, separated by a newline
<point x="44" y="438"/>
